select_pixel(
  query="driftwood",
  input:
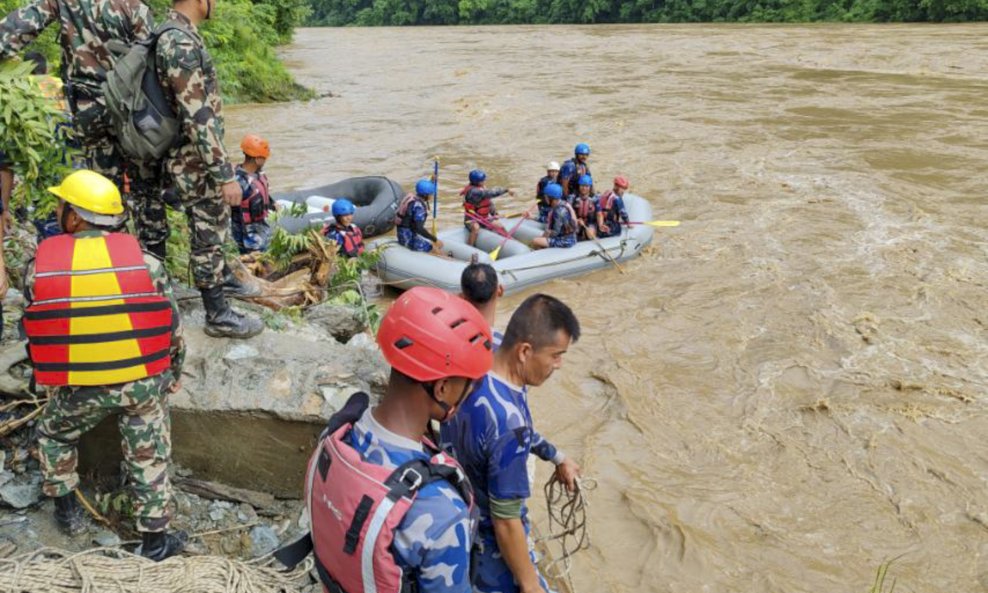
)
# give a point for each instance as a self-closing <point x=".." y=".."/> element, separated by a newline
<point x="303" y="286"/>
<point x="216" y="491"/>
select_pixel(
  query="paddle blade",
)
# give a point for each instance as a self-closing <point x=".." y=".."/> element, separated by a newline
<point x="494" y="254"/>
<point x="663" y="223"/>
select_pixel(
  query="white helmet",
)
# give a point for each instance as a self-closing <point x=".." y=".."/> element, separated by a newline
<point x="553" y="166"/>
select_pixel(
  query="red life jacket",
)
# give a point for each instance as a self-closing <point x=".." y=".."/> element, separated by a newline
<point x="257" y="200"/>
<point x="355" y="506"/>
<point x="585" y="209"/>
<point x="606" y="200"/>
<point x="402" y="217"/>
<point x="484" y="208"/>
<point x="353" y="240"/>
<point x="95" y="316"/>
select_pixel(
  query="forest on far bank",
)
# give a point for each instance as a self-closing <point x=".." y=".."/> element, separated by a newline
<point x="494" y="12"/>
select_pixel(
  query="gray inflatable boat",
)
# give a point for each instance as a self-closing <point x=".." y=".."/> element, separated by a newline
<point x="518" y="266"/>
<point x="376" y="199"/>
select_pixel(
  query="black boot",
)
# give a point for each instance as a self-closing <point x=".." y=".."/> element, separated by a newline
<point x="224" y="322"/>
<point x="69" y="515"/>
<point x="160" y="545"/>
<point x="232" y="286"/>
<point x="157" y="249"/>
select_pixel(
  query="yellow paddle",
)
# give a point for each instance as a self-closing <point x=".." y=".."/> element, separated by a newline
<point x="656" y="223"/>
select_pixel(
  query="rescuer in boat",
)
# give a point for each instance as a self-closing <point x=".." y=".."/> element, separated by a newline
<point x="104" y="337"/>
<point x="585" y="209"/>
<point x="478" y="206"/>
<point x="551" y="176"/>
<point x="390" y="512"/>
<point x="611" y="213"/>
<point x="493" y="436"/>
<point x="480" y="287"/>
<point x="413" y="211"/>
<point x="574" y="168"/>
<point x="560" y="228"/>
<point x="248" y="221"/>
<point x="342" y="231"/>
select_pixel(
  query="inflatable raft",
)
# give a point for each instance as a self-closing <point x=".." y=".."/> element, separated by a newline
<point x="376" y="199"/>
<point x="518" y="266"/>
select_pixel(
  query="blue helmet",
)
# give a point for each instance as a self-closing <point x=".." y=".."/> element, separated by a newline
<point x="342" y="207"/>
<point x="477" y="176"/>
<point x="425" y="187"/>
<point x="585" y="180"/>
<point x="553" y="191"/>
<point x="582" y="148"/>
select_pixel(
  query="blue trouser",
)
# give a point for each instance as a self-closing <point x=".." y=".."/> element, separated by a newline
<point x="613" y="225"/>
<point x="250" y="237"/>
<point x="490" y="572"/>
<point x="562" y="241"/>
<point x="413" y="241"/>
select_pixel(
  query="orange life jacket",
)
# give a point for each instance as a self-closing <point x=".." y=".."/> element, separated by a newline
<point x="95" y="316"/>
<point x="484" y="207"/>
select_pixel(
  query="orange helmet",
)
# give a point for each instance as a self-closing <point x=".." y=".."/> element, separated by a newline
<point x="621" y="181"/>
<point x="255" y="146"/>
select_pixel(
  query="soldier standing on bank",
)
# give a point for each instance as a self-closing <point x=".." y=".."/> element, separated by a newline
<point x="105" y="338"/>
<point x="87" y="30"/>
<point x="200" y="169"/>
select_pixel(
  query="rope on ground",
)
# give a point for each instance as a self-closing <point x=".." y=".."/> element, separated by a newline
<point x="49" y="570"/>
<point x="567" y="513"/>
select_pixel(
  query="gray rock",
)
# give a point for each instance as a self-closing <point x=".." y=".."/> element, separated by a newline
<point x="246" y="513"/>
<point x="340" y="321"/>
<point x="106" y="539"/>
<point x="242" y="352"/>
<point x="22" y="491"/>
<point x="263" y="540"/>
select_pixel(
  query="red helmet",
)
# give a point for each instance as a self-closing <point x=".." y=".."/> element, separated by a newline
<point x="255" y="146"/>
<point x="429" y="334"/>
<point x="621" y="181"/>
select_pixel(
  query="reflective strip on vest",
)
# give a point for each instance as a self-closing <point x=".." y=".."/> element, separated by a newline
<point x="95" y="316"/>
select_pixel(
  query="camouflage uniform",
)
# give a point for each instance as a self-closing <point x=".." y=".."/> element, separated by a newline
<point x="200" y="166"/>
<point x="85" y="27"/>
<point x="145" y="427"/>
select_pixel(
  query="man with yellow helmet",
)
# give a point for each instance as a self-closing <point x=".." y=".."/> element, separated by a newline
<point x="104" y="337"/>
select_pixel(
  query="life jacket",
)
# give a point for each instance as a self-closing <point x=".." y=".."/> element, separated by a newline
<point x="573" y="183"/>
<point x="257" y="199"/>
<point x="584" y="209"/>
<point x="353" y="239"/>
<point x="96" y="317"/>
<point x="355" y="506"/>
<point x="569" y="227"/>
<point x="403" y="216"/>
<point x="483" y="208"/>
<point x="606" y="201"/>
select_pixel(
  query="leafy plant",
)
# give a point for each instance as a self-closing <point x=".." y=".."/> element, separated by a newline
<point x="880" y="576"/>
<point x="31" y="137"/>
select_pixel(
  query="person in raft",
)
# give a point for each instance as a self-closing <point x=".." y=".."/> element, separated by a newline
<point x="560" y="228"/>
<point x="347" y="235"/>
<point x="478" y="206"/>
<point x="585" y="208"/>
<point x="551" y="176"/>
<point x="611" y="213"/>
<point x="413" y="210"/>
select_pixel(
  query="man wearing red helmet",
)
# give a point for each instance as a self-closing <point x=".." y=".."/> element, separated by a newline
<point x="493" y="437"/>
<point x="388" y="509"/>
<point x="248" y="220"/>
<point x="611" y="212"/>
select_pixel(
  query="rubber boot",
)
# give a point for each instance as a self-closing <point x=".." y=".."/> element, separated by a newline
<point x="69" y="515"/>
<point x="223" y="322"/>
<point x="232" y="286"/>
<point x="160" y="545"/>
<point x="157" y="249"/>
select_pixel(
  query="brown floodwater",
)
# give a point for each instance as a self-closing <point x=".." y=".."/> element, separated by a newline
<point x="791" y="387"/>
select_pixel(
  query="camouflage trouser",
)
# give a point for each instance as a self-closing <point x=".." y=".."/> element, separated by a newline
<point x="145" y="430"/>
<point x="144" y="200"/>
<point x="209" y="225"/>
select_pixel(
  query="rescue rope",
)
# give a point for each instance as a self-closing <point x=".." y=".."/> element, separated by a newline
<point x="567" y="513"/>
<point x="49" y="570"/>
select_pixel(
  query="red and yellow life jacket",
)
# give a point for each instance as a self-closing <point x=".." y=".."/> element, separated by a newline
<point x="484" y="207"/>
<point x="95" y="316"/>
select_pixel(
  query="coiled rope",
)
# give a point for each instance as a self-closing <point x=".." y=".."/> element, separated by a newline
<point x="567" y="525"/>
<point x="111" y="570"/>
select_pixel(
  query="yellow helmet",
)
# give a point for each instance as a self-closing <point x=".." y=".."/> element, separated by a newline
<point x="91" y="191"/>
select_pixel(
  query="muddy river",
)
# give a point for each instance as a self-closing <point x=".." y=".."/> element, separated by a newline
<point x="791" y="387"/>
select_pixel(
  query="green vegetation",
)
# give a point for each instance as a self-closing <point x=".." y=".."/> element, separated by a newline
<point x="463" y="12"/>
<point x="241" y="37"/>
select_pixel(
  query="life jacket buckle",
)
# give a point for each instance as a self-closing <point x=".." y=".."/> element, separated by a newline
<point x="416" y="478"/>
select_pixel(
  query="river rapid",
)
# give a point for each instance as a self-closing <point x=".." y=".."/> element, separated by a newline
<point x="791" y="387"/>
